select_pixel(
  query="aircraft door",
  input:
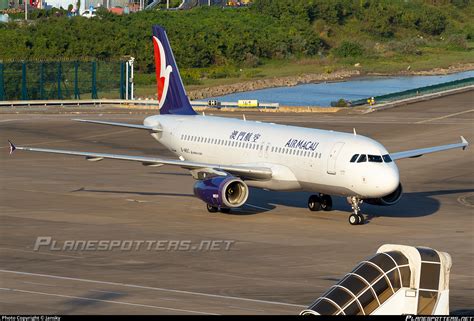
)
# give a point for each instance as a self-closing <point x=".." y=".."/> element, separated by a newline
<point x="336" y="149"/>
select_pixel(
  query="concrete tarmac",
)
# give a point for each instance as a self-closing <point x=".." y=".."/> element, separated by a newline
<point x="280" y="256"/>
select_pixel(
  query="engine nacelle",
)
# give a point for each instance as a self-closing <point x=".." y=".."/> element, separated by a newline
<point x="222" y="191"/>
<point x="390" y="199"/>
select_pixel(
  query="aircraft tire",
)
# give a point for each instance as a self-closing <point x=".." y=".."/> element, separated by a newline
<point x="326" y="202"/>
<point x="211" y="208"/>
<point x="314" y="203"/>
<point x="354" y="219"/>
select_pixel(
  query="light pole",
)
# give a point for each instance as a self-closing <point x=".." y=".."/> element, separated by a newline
<point x="130" y="62"/>
<point x="26" y="10"/>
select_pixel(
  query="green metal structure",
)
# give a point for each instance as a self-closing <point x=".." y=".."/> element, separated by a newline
<point x="46" y="80"/>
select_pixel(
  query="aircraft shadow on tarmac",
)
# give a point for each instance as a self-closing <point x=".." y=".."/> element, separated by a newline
<point x="94" y="299"/>
<point x="414" y="204"/>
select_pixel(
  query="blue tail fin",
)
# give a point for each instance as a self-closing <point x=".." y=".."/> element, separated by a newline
<point x="171" y="93"/>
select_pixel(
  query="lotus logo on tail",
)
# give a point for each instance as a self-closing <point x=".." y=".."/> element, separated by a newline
<point x="162" y="71"/>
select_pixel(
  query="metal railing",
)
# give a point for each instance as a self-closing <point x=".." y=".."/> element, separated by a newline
<point x="417" y="91"/>
<point x="99" y="102"/>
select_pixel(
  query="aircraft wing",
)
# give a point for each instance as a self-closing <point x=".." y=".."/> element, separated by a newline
<point x="250" y="172"/>
<point x="419" y="152"/>
<point x="118" y="124"/>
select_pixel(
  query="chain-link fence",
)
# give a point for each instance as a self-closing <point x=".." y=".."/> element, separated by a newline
<point x="46" y="80"/>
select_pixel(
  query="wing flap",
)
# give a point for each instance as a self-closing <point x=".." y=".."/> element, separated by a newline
<point x="420" y="152"/>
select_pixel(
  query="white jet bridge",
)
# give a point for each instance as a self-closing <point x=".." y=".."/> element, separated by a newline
<point x="398" y="279"/>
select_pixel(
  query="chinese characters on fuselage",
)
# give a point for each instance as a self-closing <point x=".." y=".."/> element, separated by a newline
<point x="244" y="136"/>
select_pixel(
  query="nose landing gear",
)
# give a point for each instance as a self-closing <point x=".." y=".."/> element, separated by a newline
<point x="356" y="218"/>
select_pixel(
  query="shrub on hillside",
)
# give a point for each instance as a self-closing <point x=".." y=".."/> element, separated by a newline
<point x="348" y="49"/>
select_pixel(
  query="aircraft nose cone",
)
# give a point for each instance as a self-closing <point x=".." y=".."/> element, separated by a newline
<point x="390" y="180"/>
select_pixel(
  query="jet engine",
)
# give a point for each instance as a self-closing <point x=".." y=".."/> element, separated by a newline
<point x="222" y="191"/>
<point x="387" y="200"/>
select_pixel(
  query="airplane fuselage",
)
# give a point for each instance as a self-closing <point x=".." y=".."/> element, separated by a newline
<point x="300" y="158"/>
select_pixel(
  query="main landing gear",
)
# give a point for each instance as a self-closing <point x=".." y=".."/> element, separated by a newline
<point x="356" y="218"/>
<point x="214" y="209"/>
<point x="320" y="202"/>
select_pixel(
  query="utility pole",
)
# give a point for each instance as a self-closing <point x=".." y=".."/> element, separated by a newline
<point x="167" y="4"/>
<point x="26" y="10"/>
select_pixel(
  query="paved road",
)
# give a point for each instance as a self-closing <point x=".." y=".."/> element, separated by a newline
<point x="281" y="256"/>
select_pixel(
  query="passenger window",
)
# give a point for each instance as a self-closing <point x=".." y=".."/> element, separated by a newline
<point x="375" y="158"/>
<point x="362" y="158"/>
<point x="354" y="158"/>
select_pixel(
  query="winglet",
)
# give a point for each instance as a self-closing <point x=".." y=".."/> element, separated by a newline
<point x="12" y="147"/>
<point x="465" y="142"/>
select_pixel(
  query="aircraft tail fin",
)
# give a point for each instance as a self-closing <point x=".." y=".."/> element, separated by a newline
<point x="171" y="93"/>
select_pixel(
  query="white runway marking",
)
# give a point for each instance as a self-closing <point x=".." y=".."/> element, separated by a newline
<point x="152" y="288"/>
<point x="6" y="120"/>
<point x="443" y="117"/>
<point x="38" y="252"/>
<point x="463" y="201"/>
<point x="106" y="301"/>
<point x="261" y="208"/>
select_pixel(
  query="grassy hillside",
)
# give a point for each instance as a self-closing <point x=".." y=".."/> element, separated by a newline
<point x="271" y="38"/>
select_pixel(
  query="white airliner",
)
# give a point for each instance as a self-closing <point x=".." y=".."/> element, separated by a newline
<point x="226" y="156"/>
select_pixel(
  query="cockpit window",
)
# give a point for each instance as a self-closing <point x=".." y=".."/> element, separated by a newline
<point x="354" y="158"/>
<point x="387" y="158"/>
<point x="362" y="158"/>
<point x="375" y="158"/>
